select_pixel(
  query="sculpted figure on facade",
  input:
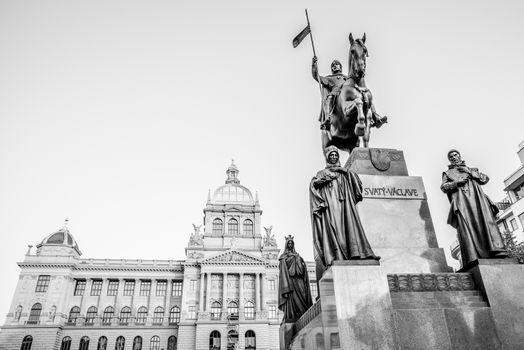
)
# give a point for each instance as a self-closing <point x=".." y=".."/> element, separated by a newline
<point x="337" y="230"/>
<point x="269" y="239"/>
<point x="294" y="295"/>
<point x="196" y="236"/>
<point x="472" y="212"/>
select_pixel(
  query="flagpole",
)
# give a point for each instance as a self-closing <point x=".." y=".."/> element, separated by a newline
<point x="314" y="54"/>
<point x="310" y="34"/>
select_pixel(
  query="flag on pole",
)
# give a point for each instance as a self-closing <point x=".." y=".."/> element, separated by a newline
<point x="298" y="39"/>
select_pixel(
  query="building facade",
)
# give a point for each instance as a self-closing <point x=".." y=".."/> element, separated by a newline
<point x="224" y="295"/>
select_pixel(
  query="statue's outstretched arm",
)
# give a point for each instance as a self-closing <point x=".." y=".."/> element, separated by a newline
<point x="314" y="68"/>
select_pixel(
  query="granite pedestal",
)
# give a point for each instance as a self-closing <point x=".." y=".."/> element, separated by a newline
<point x="356" y="306"/>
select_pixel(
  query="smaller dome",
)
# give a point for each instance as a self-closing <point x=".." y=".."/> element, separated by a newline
<point x="233" y="191"/>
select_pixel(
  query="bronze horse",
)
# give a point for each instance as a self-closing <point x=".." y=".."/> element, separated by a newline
<point x="353" y="112"/>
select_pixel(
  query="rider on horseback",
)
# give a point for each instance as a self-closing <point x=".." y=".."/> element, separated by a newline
<point x="331" y="85"/>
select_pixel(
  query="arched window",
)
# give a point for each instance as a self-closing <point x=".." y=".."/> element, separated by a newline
<point x="18" y="313"/>
<point x="232" y="227"/>
<point x="120" y="343"/>
<point x="214" y="340"/>
<point x="174" y="315"/>
<point x="34" y="315"/>
<point x="84" y="343"/>
<point x="141" y="315"/>
<point x="217" y="227"/>
<point x="102" y="343"/>
<point x="232" y="310"/>
<point x="66" y="343"/>
<point x="249" y="310"/>
<point x="125" y="314"/>
<point x="154" y="344"/>
<point x="158" y="315"/>
<point x="248" y="227"/>
<point x="137" y="343"/>
<point x="91" y="314"/>
<point x="171" y="343"/>
<point x="27" y="342"/>
<point x="216" y="310"/>
<point x="108" y="315"/>
<point x="73" y="314"/>
<point x="251" y="341"/>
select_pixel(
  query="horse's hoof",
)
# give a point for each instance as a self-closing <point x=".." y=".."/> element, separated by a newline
<point x="360" y="130"/>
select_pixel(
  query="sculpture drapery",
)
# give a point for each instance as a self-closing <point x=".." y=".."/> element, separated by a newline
<point x="294" y="295"/>
<point x="472" y="213"/>
<point x="337" y="230"/>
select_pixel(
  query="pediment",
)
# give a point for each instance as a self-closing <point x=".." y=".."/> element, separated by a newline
<point x="234" y="257"/>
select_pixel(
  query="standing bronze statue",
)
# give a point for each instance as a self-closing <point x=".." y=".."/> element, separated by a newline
<point x="337" y="231"/>
<point x="347" y="112"/>
<point x="294" y="295"/>
<point x="472" y="213"/>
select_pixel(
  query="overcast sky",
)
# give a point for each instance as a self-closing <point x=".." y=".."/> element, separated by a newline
<point x="121" y="115"/>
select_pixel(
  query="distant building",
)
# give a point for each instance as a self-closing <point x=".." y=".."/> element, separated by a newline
<point x="511" y="215"/>
<point x="224" y="295"/>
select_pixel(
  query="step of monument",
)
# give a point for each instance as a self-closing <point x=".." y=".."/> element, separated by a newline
<point x="443" y="300"/>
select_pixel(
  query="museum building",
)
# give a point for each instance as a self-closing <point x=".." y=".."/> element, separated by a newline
<point x="224" y="295"/>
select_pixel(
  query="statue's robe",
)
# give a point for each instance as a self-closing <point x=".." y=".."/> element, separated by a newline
<point x="472" y="213"/>
<point x="294" y="295"/>
<point x="330" y="85"/>
<point x="337" y="231"/>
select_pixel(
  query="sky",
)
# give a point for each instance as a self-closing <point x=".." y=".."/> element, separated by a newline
<point x="121" y="115"/>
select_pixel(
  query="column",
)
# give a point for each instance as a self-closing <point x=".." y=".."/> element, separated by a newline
<point x="208" y="292"/>
<point x="241" y="295"/>
<point x="224" y="292"/>
<point x="263" y="292"/>
<point x="257" y="291"/>
<point x="201" y="297"/>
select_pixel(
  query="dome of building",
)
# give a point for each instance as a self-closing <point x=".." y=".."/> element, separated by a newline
<point x="232" y="191"/>
<point x="60" y="237"/>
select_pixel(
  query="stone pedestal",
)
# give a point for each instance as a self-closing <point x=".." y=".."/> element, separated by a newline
<point x="286" y="334"/>
<point x="502" y="283"/>
<point x="356" y="306"/>
<point x="395" y="213"/>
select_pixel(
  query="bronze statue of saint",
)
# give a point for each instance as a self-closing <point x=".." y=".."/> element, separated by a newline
<point x="337" y="231"/>
<point x="472" y="213"/>
<point x="330" y="88"/>
<point x="294" y="295"/>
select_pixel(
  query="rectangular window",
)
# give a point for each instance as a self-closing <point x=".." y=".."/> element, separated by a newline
<point x="191" y="312"/>
<point x="272" y="285"/>
<point x="80" y="287"/>
<point x="145" y="288"/>
<point x="272" y="311"/>
<point x="177" y="289"/>
<point x="161" y="287"/>
<point x="129" y="288"/>
<point x="112" y="288"/>
<point x="96" y="287"/>
<point x="192" y="284"/>
<point x="521" y="218"/>
<point x="513" y="223"/>
<point x="43" y="283"/>
<point x="314" y="289"/>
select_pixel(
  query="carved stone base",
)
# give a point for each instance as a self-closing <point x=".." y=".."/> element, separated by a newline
<point x="395" y="213"/>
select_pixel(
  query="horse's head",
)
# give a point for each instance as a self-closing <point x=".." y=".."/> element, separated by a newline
<point x="357" y="57"/>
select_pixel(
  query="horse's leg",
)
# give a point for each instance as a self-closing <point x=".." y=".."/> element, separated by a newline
<point x="361" y="120"/>
<point x="367" y="131"/>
